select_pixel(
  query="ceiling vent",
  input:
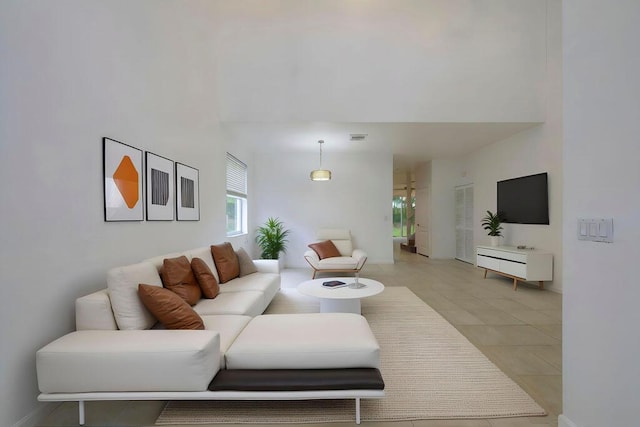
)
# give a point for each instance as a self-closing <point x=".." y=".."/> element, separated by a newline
<point x="358" y="136"/>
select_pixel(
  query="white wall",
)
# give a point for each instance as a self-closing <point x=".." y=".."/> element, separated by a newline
<point x="538" y="149"/>
<point x="337" y="61"/>
<point x="358" y="197"/>
<point x="71" y="73"/>
<point x="532" y="151"/>
<point x="444" y="173"/>
<point x="601" y="374"/>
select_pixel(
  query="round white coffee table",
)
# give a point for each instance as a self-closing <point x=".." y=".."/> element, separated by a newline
<point x="340" y="300"/>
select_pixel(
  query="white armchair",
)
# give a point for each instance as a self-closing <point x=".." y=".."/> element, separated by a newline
<point x="350" y="260"/>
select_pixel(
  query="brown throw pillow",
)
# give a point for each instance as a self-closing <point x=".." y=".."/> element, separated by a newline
<point x="206" y="279"/>
<point x="246" y="263"/>
<point x="171" y="310"/>
<point x="325" y="249"/>
<point x="226" y="261"/>
<point x="178" y="277"/>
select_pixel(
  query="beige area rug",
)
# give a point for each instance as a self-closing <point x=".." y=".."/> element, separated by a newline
<point x="431" y="371"/>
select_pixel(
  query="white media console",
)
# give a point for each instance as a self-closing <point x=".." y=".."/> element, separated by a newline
<point x="519" y="264"/>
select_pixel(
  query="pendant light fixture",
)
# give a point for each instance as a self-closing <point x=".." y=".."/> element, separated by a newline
<point x="320" y="174"/>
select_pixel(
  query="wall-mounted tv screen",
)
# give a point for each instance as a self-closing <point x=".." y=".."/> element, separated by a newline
<point x="524" y="200"/>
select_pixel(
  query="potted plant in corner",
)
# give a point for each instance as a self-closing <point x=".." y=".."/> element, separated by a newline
<point x="493" y="224"/>
<point x="272" y="238"/>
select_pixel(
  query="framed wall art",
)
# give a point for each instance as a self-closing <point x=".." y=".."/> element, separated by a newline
<point x="160" y="188"/>
<point x="122" y="167"/>
<point x="187" y="189"/>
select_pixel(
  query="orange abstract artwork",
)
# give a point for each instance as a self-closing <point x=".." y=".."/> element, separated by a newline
<point x="126" y="179"/>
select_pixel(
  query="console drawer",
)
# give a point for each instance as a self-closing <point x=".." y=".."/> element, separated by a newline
<point x="514" y="269"/>
<point x="490" y="263"/>
<point x="511" y="256"/>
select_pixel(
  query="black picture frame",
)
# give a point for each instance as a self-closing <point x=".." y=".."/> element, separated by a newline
<point x="160" y="187"/>
<point x="123" y="188"/>
<point x="187" y="193"/>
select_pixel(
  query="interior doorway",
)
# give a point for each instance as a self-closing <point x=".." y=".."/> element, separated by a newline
<point x="403" y="218"/>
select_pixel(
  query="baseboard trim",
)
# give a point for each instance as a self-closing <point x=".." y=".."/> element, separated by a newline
<point x="563" y="421"/>
<point x="37" y="415"/>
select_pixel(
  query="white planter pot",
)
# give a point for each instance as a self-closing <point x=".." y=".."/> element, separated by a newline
<point x="495" y="240"/>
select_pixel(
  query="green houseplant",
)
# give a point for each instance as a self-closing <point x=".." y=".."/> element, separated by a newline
<point x="272" y="238"/>
<point x="493" y="224"/>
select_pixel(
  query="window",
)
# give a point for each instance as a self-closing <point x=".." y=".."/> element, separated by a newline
<point x="236" y="196"/>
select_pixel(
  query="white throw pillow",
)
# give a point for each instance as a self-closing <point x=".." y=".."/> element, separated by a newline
<point x="122" y="283"/>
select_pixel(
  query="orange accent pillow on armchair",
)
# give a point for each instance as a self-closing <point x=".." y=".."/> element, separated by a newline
<point x="325" y="249"/>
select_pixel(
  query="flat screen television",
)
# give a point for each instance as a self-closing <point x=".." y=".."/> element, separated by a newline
<point x="524" y="200"/>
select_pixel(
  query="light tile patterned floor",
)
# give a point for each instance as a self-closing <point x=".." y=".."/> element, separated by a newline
<point x="521" y="332"/>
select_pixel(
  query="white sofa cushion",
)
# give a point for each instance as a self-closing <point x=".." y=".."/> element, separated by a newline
<point x="338" y="263"/>
<point x="267" y="283"/>
<point x="248" y="303"/>
<point x="120" y="361"/>
<point x="344" y="246"/>
<point x="122" y="283"/>
<point x="228" y="326"/>
<point x="94" y="311"/>
<point x="267" y="265"/>
<point x="305" y="341"/>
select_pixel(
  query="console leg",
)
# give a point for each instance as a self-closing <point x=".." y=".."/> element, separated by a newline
<point x="357" y="410"/>
<point x="81" y="412"/>
<point x="541" y="285"/>
<point x="485" y="273"/>
<point x="515" y="284"/>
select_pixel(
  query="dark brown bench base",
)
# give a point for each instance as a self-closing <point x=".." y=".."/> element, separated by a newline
<point x="297" y="379"/>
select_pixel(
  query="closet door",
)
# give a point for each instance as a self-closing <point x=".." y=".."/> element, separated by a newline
<point x="464" y="223"/>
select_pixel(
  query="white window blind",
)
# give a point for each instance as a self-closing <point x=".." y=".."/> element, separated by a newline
<point x="236" y="177"/>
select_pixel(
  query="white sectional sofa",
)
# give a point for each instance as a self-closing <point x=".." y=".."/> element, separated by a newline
<point x="118" y="352"/>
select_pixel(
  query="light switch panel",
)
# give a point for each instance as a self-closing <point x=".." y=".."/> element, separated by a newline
<point x="602" y="228"/>
<point x="595" y="229"/>
<point x="583" y="228"/>
<point x="606" y="230"/>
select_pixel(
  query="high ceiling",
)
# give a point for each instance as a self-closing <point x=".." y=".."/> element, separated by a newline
<point x="423" y="79"/>
<point x="410" y="143"/>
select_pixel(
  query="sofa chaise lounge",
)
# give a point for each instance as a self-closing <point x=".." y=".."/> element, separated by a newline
<point x="119" y="352"/>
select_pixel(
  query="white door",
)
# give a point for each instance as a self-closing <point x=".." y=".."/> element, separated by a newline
<point x="422" y="221"/>
<point x="464" y="223"/>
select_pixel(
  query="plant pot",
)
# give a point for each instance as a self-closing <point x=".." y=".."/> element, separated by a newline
<point x="495" y="240"/>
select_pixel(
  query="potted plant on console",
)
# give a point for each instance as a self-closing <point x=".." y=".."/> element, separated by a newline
<point x="493" y="224"/>
<point x="272" y="238"/>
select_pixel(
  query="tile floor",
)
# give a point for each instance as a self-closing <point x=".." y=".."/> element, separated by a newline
<point x="521" y="332"/>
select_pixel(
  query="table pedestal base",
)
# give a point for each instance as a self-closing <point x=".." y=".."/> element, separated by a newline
<point x="340" y="305"/>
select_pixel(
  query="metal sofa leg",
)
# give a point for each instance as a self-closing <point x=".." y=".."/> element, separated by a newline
<point x="81" y="412"/>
